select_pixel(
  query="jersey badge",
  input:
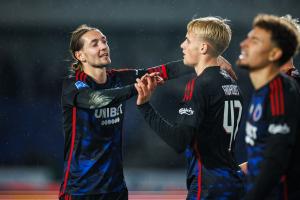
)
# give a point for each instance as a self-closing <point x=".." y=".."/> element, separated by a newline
<point x="257" y="112"/>
<point x="186" y="111"/>
<point x="278" y="128"/>
<point x="80" y="84"/>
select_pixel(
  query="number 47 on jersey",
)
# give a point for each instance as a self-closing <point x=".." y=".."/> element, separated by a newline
<point x="230" y="120"/>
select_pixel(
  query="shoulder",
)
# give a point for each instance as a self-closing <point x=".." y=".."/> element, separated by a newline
<point x="72" y="82"/>
<point x="119" y="71"/>
<point x="216" y="74"/>
<point x="290" y="85"/>
<point x="284" y="95"/>
<point x="213" y="78"/>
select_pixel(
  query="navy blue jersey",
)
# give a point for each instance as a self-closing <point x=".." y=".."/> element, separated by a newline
<point x="93" y="118"/>
<point x="205" y="129"/>
<point x="272" y="138"/>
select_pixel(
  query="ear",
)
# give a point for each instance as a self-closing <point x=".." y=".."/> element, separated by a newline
<point x="203" y="48"/>
<point x="275" y="54"/>
<point x="80" y="56"/>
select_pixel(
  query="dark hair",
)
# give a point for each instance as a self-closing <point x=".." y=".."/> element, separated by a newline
<point x="76" y="44"/>
<point x="284" y="33"/>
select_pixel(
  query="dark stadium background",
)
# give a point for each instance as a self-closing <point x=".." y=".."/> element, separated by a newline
<point x="34" y="57"/>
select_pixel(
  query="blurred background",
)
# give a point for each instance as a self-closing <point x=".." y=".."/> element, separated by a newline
<point x="34" y="58"/>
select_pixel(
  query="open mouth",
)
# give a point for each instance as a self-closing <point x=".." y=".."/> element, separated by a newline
<point x="242" y="55"/>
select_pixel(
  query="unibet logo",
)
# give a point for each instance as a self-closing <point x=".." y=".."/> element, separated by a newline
<point x="108" y="112"/>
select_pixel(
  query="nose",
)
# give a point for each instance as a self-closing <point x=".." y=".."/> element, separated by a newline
<point x="104" y="47"/>
<point x="182" y="45"/>
<point x="243" y="43"/>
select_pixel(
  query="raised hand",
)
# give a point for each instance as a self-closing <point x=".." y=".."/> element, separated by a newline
<point x="146" y="85"/>
<point x="224" y="64"/>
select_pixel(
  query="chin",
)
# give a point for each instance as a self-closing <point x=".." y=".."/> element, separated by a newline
<point x="242" y="65"/>
<point x="185" y="62"/>
<point x="107" y="62"/>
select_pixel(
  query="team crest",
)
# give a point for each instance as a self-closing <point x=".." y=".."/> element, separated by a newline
<point x="257" y="112"/>
<point x="80" y="84"/>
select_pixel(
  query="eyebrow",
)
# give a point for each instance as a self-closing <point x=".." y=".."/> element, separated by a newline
<point x="256" y="38"/>
<point x="94" y="40"/>
<point x="253" y="37"/>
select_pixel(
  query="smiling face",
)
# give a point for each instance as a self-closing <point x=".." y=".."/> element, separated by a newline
<point x="256" y="50"/>
<point x="95" y="50"/>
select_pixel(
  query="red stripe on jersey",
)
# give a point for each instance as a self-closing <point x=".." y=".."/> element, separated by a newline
<point x="276" y="95"/>
<point x="187" y="90"/>
<point x="71" y="149"/>
<point x="187" y="87"/>
<point x="192" y="89"/>
<point x="164" y="72"/>
<point x="276" y="103"/>
<point x="84" y="77"/>
<point x="281" y="110"/>
<point x="285" y="187"/>
<point x="199" y="178"/>
<point x="81" y="76"/>
<point x="77" y="74"/>
<point x="272" y="98"/>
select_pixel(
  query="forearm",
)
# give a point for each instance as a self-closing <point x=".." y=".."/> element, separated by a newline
<point x="91" y="99"/>
<point x="177" y="137"/>
<point x="172" y="70"/>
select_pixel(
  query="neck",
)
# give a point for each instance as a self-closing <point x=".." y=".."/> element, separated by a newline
<point x="98" y="74"/>
<point x="205" y="63"/>
<point x="262" y="76"/>
<point x="287" y="66"/>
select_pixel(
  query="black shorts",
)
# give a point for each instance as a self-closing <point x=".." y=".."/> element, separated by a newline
<point x="123" y="195"/>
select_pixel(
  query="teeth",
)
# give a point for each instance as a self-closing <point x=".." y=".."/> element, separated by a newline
<point x="242" y="55"/>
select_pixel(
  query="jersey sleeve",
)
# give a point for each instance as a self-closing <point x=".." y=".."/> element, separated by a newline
<point x="282" y="129"/>
<point x="79" y="94"/>
<point x="167" y="71"/>
<point x="176" y="136"/>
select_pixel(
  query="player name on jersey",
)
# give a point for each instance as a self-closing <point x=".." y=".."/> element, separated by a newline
<point x="231" y="89"/>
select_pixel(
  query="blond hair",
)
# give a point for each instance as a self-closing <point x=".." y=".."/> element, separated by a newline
<point x="214" y="30"/>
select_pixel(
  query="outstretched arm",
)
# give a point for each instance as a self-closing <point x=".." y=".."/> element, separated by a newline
<point x="167" y="71"/>
<point x="85" y="97"/>
<point x="178" y="137"/>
